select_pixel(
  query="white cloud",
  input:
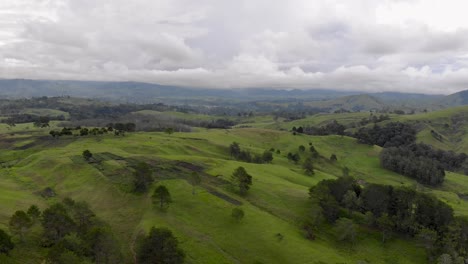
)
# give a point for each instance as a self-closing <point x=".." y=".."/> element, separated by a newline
<point x="356" y="45"/>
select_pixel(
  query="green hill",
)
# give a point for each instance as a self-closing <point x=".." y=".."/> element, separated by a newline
<point x="276" y="203"/>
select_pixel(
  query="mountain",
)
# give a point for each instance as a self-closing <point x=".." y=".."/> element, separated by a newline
<point x="149" y="93"/>
<point x="456" y="99"/>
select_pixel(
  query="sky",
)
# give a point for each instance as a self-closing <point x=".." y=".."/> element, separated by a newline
<point x="365" y="45"/>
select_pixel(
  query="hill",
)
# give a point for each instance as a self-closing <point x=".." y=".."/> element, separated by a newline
<point x="456" y="99"/>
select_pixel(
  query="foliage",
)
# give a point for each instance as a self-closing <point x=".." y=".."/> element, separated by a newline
<point x="244" y="155"/>
<point x="160" y="246"/>
<point x="6" y="245"/>
<point x="20" y="223"/>
<point x="241" y="180"/>
<point x="142" y="177"/>
<point x="404" y="161"/>
<point x="161" y="196"/>
<point x="195" y="180"/>
<point x="308" y="166"/>
<point x="34" y="212"/>
<point x="393" y="134"/>
<point x="87" y="155"/>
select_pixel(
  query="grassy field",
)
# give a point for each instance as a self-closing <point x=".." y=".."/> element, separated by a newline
<point x="276" y="203"/>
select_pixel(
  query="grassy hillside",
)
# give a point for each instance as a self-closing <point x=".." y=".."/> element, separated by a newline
<point x="276" y="203"/>
<point x="451" y="124"/>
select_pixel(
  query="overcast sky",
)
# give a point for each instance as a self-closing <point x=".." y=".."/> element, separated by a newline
<point x="366" y="45"/>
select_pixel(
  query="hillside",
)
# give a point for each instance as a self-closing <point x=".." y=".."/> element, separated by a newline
<point x="275" y="207"/>
<point x="278" y="198"/>
<point x="456" y="99"/>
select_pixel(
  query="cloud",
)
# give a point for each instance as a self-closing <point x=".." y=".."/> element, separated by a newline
<point x="364" y="45"/>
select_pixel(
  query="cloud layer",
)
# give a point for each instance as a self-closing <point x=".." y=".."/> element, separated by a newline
<point x="369" y="45"/>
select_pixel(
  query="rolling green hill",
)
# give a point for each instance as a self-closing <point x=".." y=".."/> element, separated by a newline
<point x="275" y="206"/>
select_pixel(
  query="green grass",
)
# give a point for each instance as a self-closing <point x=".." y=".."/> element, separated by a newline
<point x="276" y="203"/>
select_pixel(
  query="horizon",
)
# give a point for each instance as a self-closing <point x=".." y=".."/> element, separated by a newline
<point x="366" y="46"/>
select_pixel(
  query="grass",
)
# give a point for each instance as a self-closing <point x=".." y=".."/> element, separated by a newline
<point x="275" y="204"/>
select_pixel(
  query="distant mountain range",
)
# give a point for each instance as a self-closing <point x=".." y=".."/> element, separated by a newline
<point x="137" y="92"/>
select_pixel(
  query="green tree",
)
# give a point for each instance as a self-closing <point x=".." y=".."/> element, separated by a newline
<point x="385" y="223"/>
<point x="267" y="156"/>
<point x="143" y="178"/>
<point x="87" y="155"/>
<point x="345" y="171"/>
<point x="57" y="223"/>
<point x="308" y="166"/>
<point x="20" y="223"/>
<point x="237" y="214"/>
<point x="169" y="130"/>
<point x="160" y="247"/>
<point x="241" y="179"/>
<point x="161" y="196"/>
<point x="34" y="212"/>
<point x="195" y="180"/>
<point x="346" y="230"/>
<point x="333" y="158"/>
<point x="234" y="150"/>
<point x="6" y="245"/>
<point x="301" y="148"/>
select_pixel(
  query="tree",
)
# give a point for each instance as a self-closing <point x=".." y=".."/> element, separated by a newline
<point x="234" y="150"/>
<point x="301" y="148"/>
<point x="5" y="243"/>
<point x="308" y="166"/>
<point x="333" y="158"/>
<point x="87" y="155"/>
<point x="346" y="229"/>
<point x="169" y="130"/>
<point x="241" y="179"/>
<point x="20" y="223"/>
<point x="34" y="212"/>
<point x="161" y="196"/>
<point x="143" y="178"/>
<point x="160" y="247"/>
<point x="57" y="223"/>
<point x="195" y="180"/>
<point x="385" y="223"/>
<point x="237" y="214"/>
<point x="267" y="156"/>
<point x="345" y="171"/>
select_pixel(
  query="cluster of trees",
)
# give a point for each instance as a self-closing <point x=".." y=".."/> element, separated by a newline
<point x="393" y="134"/>
<point x="332" y="128"/>
<point x="71" y="232"/>
<point x="244" y="155"/>
<point x="392" y="209"/>
<point x="449" y="160"/>
<point x="307" y="165"/>
<point x="221" y="123"/>
<point x="404" y="161"/>
<point x="117" y="128"/>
